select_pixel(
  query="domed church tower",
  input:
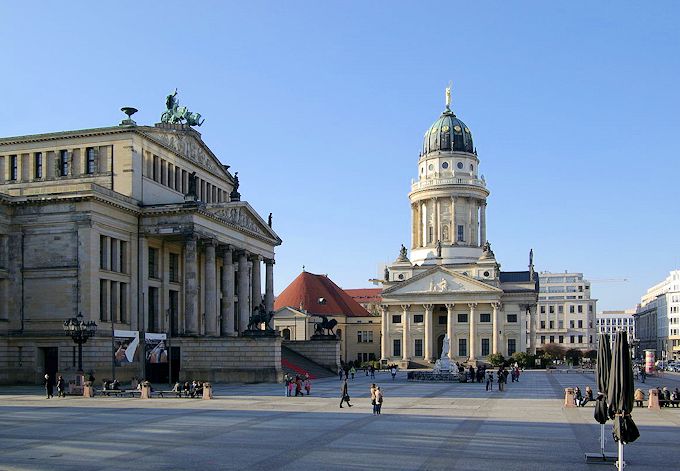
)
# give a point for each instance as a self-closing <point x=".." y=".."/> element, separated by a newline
<point x="448" y="200"/>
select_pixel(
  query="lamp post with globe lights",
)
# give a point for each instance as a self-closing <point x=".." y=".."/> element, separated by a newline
<point x="80" y="331"/>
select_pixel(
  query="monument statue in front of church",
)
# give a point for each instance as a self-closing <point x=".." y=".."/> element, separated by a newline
<point x="175" y="114"/>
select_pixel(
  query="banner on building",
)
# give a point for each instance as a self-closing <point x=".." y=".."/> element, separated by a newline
<point x="156" y="349"/>
<point x="125" y="344"/>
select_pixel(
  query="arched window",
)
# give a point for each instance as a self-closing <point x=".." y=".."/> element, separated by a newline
<point x="285" y="333"/>
<point x="339" y="334"/>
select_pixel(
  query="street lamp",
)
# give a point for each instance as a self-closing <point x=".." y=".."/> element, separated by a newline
<point x="79" y="331"/>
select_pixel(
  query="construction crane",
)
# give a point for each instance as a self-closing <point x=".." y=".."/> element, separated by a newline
<point x="609" y="280"/>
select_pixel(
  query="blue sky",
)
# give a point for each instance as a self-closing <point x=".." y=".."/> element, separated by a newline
<point x="321" y="108"/>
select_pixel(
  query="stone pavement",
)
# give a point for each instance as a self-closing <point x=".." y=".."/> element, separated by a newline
<point x="423" y="427"/>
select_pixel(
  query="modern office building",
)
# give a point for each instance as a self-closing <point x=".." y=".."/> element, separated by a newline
<point x="566" y="311"/>
<point x="609" y="322"/>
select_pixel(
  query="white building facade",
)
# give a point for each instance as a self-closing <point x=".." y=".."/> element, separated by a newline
<point x="452" y="283"/>
<point x="657" y="318"/>
<point x="609" y="322"/>
<point x="566" y="312"/>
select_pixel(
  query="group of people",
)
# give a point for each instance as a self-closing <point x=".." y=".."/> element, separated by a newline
<point x="108" y="385"/>
<point x="188" y="389"/>
<point x="49" y="386"/>
<point x="667" y="398"/>
<point x="296" y="384"/>
<point x="376" y="399"/>
<point x="580" y="399"/>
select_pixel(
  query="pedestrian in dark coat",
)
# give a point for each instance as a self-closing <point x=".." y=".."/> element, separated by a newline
<point x="49" y="387"/>
<point x="344" y="394"/>
<point x="61" y="387"/>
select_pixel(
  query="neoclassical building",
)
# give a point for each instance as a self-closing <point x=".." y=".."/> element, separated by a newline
<point x="138" y="228"/>
<point x="452" y="283"/>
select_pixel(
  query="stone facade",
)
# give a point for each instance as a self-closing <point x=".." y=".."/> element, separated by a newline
<point x="657" y="318"/>
<point x="451" y="284"/>
<point x="323" y="352"/>
<point x="138" y="228"/>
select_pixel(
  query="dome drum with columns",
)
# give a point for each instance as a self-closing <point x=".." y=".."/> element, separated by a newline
<point x="451" y="284"/>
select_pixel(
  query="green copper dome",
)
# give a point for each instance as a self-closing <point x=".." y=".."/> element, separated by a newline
<point x="448" y="133"/>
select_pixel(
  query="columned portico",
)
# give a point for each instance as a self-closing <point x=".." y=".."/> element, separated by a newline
<point x="210" y="301"/>
<point x="473" y="331"/>
<point x="429" y="308"/>
<point x="243" y="295"/>
<point x="406" y="335"/>
<point x="227" y="325"/>
<point x="449" y="328"/>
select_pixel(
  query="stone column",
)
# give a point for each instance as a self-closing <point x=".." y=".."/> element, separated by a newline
<point x="423" y="223"/>
<point x="227" y="326"/>
<point x="473" y="331"/>
<point x="243" y="295"/>
<point x="449" y="327"/>
<point x="269" y="288"/>
<point x="429" y="309"/>
<point x="211" y="316"/>
<point x="406" y="333"/>
<point x="495" y="326"/>
<point x="385" y="333"/>
<point x="256" y="282"/>
<point x="482" y="223"/>
<point x="191" y="285"/>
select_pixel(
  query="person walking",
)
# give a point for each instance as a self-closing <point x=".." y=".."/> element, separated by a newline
<point x="393" y="371"/>
<point x="501" y="379"/>
<point x="49" y="388"/>
<point x="352" y="371"/>
<point x="374" y="402"/>
<point x="341" y="372"/>
<point x="489" y="381"/>
<point x="286" y="381"/>
<point x="308" y="384"/>
<point x="372" y="368"/>
<point x="378" y="400"/>
<point x="344" y="394"/>
<point x="61" y="387"/>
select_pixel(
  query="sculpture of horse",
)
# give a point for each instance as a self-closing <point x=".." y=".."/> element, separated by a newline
<point x="325" y="324"/>
<point x="259" y="316"/>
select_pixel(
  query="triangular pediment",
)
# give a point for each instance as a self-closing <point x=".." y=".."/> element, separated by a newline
<point x="243" y="216"/>
<point x="439" y="280"/>
<point x="188" y="144"/>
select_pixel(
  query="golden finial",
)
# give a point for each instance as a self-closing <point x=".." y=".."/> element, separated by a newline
<point x="448" y="96"/>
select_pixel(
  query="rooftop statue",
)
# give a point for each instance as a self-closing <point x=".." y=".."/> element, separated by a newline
<point x="402" y="253"/>
<point x="175" y="114"/>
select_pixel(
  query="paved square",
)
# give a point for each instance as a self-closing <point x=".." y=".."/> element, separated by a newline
<point x="254" y="427"/>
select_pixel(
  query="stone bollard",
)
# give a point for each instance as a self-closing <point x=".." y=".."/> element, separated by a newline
<point x="207" y="391"/>
<point x="569" y="397"/>
<point x="653" y="399"/>
<point x="88" y="391"/>
<point x="146" y="391"/>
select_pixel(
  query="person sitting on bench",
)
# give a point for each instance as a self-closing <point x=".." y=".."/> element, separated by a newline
<point x="639" y="397"/>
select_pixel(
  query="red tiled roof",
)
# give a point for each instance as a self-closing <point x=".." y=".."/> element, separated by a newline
<point x="307" y="289"/>
<point x="365" y="295"/>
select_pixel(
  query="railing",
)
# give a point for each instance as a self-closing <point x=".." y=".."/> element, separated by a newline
<point x="429" y="182"/>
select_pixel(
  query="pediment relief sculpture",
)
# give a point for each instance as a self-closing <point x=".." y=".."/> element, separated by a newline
<point x="239" y="217"/>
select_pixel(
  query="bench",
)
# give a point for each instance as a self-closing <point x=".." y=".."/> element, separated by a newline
<point x="669" y="403"/>
<point x="179" y="394"/>
<point x="117" y="392"/>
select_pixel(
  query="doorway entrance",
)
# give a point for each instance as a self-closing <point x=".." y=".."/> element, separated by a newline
<point x="50" y="361"/>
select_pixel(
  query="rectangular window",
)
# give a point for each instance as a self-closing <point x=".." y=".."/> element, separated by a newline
<point x="485" y="317"/>
<point x="103" y="300"/>
<point x="123" y="302"/>
<point x="561" y="338"/>
<point x="542" y="309"/>
<point x="580" y="309"/>
<point x="462" y="318"/>
<point x="418" y="347"/>
<point x="365" y="336"/>
<point x="580" y="339"/>
<point x="512" y="318"/>
<point x="122" y="253"/>
<point x="396" y="347"/>
<point x="462" y="347"/>
<point x="173" y="267"/>
<point x="542" y="324"/>
<point x="571" y="309"/>
<point x="552" y="324"/>
<point x="580" y="324"/>
<point x="512" y="347"/>
<point x="571" y="324"/>
<point x="153" y="263"/>
<point x="551" y="309"/>
<point x="174" y="312"/>
<point x="153" y="309"/>
<point x="63" y="163"/>
<point x="103" y="253"/>
<point x="461" y="230"/>
<point x="442" y="320"/>
<point x="396" y="319"/>
<point x="571" y="339"/>
<point x="485" y="347"/>
<point x="155" y="168"/>
<point x="552" y="339"/>
<point x="542" y="339"/>
<point x="91" y="160"/>
<point x="13" y="169"/>
<point x="560" y="309"/>
<point x="590" y="308"/>
<point x="37" y="159"/>
<point x="560" y="324"/>
<point x="418" y="318"/>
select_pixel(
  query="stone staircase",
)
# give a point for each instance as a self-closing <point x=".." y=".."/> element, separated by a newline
<point x="294" y="364"/>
